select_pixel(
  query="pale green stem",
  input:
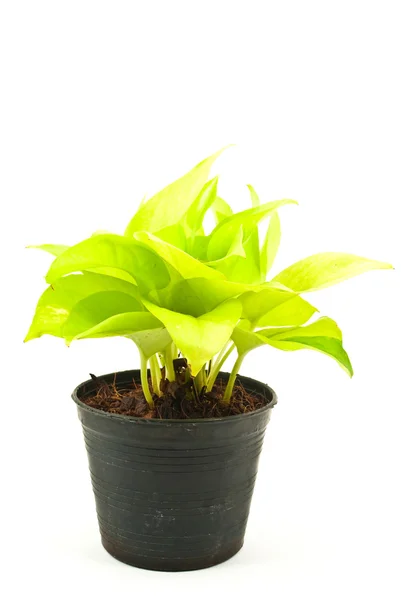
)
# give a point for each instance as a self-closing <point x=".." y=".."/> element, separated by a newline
<point x="155" y="373"/>
<point x="200" y="379"/>
<point x="168" y="361"/>
<point x="233" y="377"/>
<point x="144" y="381"/>
<point x="221" y="359"/>
<point x="222" y="352"/>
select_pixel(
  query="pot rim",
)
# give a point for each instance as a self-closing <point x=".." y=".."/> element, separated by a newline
<point x="161" y="422"/>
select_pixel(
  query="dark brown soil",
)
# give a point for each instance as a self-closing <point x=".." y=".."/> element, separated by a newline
<point x="179" y="401"/>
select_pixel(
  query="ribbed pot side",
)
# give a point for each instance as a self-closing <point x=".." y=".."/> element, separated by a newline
<point x="172" y="495"/>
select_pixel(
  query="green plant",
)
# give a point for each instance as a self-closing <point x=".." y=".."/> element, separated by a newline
<point x="172" y="289"/>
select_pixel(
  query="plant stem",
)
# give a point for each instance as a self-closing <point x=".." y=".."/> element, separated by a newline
<point x="168" y="362"/>
<point x="144" y="381"/>
<point x="155" y="374"/>
<point x="221" y="359"/>
<point x="233" y="377"/>
<point x="200" y="379"/>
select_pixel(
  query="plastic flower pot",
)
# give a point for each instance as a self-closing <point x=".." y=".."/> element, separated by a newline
<point x="173" y="495"/>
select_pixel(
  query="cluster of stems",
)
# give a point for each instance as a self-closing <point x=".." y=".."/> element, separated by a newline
<point x="205" y="379"/>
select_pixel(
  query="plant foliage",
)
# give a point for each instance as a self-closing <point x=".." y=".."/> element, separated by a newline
<point x="172" y="289"/>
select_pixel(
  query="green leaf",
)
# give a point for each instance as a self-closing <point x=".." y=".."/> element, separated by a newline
<point x="221" y="210"/>
<point x="323" y="335"/>
<point x="57" y="302"/>
<point x="322" y="270"/>
<point x="251" y="245"/>
<point x="110" y="251"/>
<point x="116" y="273"/>
<point x="154" y="264"/>
<point x="197" y="296"/>
<point x="169" y="205"/>
<point x="100" y="232"/>
<point x="184" y="233"/>
<point x="148" y="333"/>
<point x="245" y="338"/>
<point x="197" y="211"/>
<point x="199" y="339"/>
<point x="55" y="249"/>
<point x="187" y="266"/>
<point x="239" y="264"/>
<point x="254" y="197"/>
<point x="175" y="235"/>
<point x="242" y="270"/>
<point x="151" y="341"/>
<point x="270" y="245"/>
<point x="93" y="310"/>
<point x="235" y="249"/>
<point x="275" y="307"/>
<point x="221" y="236"/>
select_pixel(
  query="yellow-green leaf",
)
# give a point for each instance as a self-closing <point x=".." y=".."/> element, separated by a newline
<point x="270" y="245"/>
<point x="323" y="335"/>
<point x="57" y="302"/>
<point x="169" y="205"/>
<point x="199" y="339"/>
<point x="221" y="236"/>
<point x="55" y="249"/>
<point x="322" y="270"/>
<point x="275" y="307"/>
<point x="148" y="333"/>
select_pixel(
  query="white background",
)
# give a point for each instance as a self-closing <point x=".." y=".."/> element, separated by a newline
<point x="102" y="102"/>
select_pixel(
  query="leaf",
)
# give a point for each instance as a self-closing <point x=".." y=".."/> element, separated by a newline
<point x="237" y="265"/>
<point x="100" y="232"/>
<point x="151" y="341"/>
<point x="187" y="266"/>
<point x="245" y="338"/>
<point x="251" y="269"/>
<point x="169" y="205"/>
<point x="221" y="210"/>
<point x="235" y="249"/>
<point x="197" y="296"/>
<point x="154" y="264"/>
<point x="110" y="251"/>
<point x="93" y="310"/>
<point x="323" y="326"/>
<point x="148" y="333"/>
<point x="254" y="197"/>
<point x="55" y="249"/>
<point x="183" y="233"/>
<point x="270" y="245"/>
<point x="322" y="270"/>
<point x="56" y="303"/>
<point x="323" y="335"/>
<point x="275" y="307"/>
<point x="199" y="339"/>
<point x="197" y="211"/>
<point x="116" y="273"/>
<point x="221" y="236"/>
<point x="175" y="235"/>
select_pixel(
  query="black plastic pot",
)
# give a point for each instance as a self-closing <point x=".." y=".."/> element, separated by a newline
<point x="173" y="495"/>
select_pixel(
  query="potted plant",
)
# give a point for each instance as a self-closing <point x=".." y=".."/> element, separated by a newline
<point x="173" y="447"/>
